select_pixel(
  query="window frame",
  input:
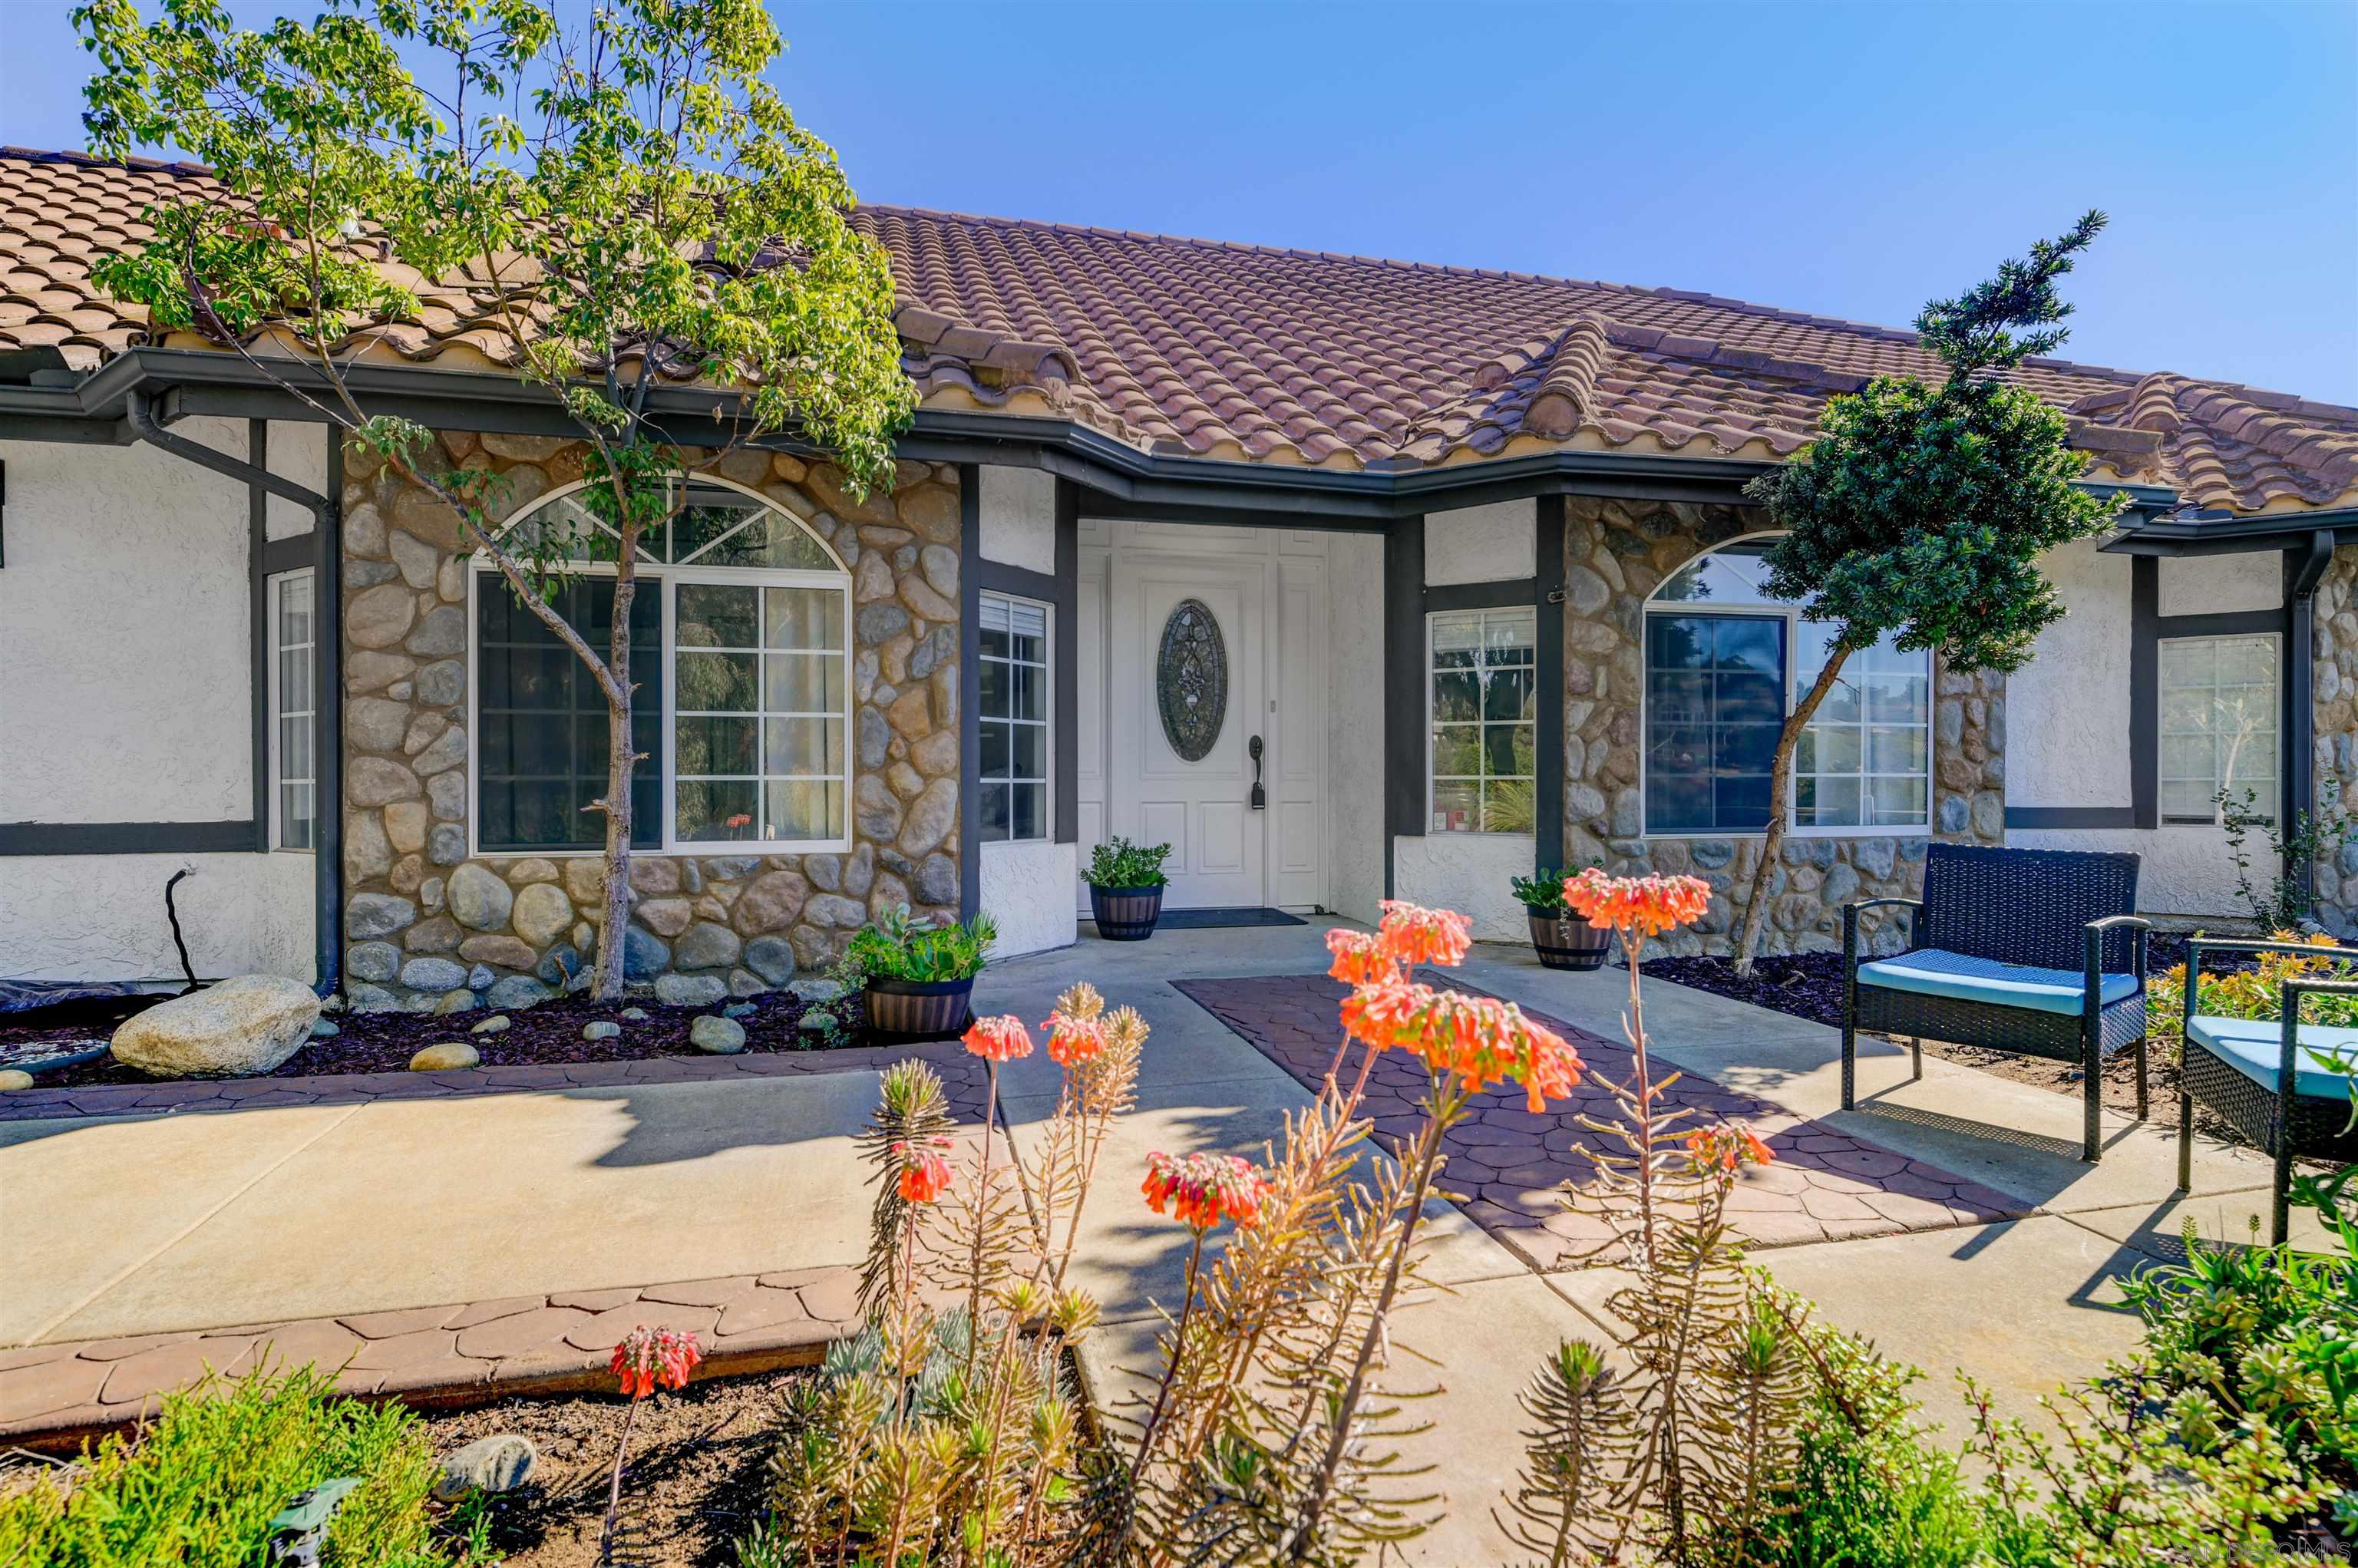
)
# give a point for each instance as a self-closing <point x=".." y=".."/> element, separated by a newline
<point x="2272" y="799"/>
<point x="1047" y="666"/>
<point x="1432" y="617"/>
<point x="274" y="587"/>
<point x="661" y="579"/>
<point x="1769" y="610"/>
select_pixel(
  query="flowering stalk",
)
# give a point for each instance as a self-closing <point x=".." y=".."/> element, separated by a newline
<point x="647" y="1359"/>
<point x="995" y="1039"/>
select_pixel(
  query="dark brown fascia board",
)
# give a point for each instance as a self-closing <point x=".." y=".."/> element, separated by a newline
<point x="2237" y="536"/>
<point x="1126" y="481"/>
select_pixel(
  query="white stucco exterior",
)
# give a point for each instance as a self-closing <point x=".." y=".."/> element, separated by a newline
<point x="1470" y="872"/>
<point x="2222" y="585"/>
<point x="2066" y="732"/>
<point x="1027" y="888"/>
<point x="1497" y="542"/>
<point x="127" y="698"/>
<point x="1018" y="518"/>
<point x="1355" y="720"/>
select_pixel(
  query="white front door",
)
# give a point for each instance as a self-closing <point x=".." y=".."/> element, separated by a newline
<point x="1202" y="807"/>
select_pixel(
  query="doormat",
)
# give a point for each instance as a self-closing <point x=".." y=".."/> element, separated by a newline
<point x="1210" y="919"/>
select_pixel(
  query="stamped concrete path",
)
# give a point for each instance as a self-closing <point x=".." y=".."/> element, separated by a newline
<point x="484" y="1234"/>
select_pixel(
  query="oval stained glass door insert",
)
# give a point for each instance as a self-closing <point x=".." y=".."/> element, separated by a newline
<point x="1191" y="679"/>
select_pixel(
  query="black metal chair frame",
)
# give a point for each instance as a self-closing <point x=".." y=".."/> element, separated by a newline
<point x="2282" y="1122"/>
<point x="2087" y="1038"/>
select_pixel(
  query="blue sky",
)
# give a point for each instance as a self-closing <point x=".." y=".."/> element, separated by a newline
<point x="1848" y="160"/>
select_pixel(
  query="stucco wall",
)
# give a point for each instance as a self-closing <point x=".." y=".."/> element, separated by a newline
<point x="1497" y="542"/>
<point x="124" y="698"/>
<point x="1469" y="872"/>
<point x="1027" y="888"/>
<point x="1016" y="518"/>
<point x="2069" y="740"/>
<point x="425" y="918"/>
<point x="1355" y="726"/>
<point x="2222" y="585"/>
<point x="1617" y="553"/>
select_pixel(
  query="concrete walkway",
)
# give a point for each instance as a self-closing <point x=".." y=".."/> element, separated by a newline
<point x="559" y="1205"/>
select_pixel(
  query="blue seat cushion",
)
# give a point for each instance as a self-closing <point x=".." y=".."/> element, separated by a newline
<point x="2254" y="1047"/>
<point x="1929" y="971"/>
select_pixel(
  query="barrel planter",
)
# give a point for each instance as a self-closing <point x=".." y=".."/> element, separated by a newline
<point x="931" y="1008"/>
<point x="1126" y="915"/>
<point x="1566" y="941"/>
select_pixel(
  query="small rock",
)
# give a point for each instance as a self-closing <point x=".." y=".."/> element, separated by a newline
<point x="501" y="1463"/>
<point x="690" y="991"/>
<point x="719" y="1036"/>
<point x="491" y="1025"/>
<point x="323" y="1030"/>
<point x="13" y="1078"/>
<point x="816" y="990"/>
<point x="602" y="1030"/>
<point x="459" y="1001"/>
<point x="517" y="991"/>
<point x="636" y="1014"/>
<point x="815" y="1019"/>
<point x="738" y="1010"/>
<point x="480" y="977"/>
<point x="445" y="1056"/>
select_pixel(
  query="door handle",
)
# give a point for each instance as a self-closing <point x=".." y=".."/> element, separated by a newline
<point x="1260" y="796"/>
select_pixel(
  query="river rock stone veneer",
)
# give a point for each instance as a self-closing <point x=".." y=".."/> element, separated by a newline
<point x="425" y="924"/>
<point x="1617" y="553"/>
<point x="2334" y="746"/>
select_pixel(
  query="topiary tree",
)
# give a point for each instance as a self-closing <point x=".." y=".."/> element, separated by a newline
<point x="625" y="203"/>
<point x="1922" y="510"/>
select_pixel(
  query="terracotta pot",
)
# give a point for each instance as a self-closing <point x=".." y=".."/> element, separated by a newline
<point x="1126" y="915"/>
<point x="931" y="1008"/>
<point x="1566" y="941"/>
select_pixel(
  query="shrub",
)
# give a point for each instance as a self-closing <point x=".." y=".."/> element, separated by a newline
<point x="198" y="1487"/>
<point x="895" y="948"/>
<point x="1118" y="864"/>
<point x="2256" y="992"/>
<point x="1544" y="891"/>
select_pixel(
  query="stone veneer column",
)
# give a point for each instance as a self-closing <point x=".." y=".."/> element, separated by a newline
<point x="1618" y="552"/>
<point x="425" y="924"/>
<point x="2333" y="642"/>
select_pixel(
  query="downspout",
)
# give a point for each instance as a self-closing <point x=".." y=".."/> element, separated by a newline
<point x="328" y="716"/>
<point x="2302" y="647"/>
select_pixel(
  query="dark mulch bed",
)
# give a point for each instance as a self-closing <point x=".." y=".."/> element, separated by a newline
<point x="697" y="1481"/>
<point x="385" y="1042"/>
<point x="1810" y="985"/>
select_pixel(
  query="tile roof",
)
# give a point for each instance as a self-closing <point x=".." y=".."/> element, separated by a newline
<point x="1207" y="349"/>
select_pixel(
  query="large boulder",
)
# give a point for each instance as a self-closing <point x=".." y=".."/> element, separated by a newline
<point x="248" y="1024"/>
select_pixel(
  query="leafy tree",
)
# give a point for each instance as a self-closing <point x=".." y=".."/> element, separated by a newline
<point x="1922" y="510"/>
<point x="625" y="201"/>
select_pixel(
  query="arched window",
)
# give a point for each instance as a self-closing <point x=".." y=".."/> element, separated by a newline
<point x="1724" y="663"/>
<point x="741" y="651"/>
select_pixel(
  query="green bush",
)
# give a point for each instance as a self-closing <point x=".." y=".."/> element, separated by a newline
<point x="1545" y="890"/>
<point x="896" y="948"/>
<point x="199" y="1488"/>
<point x="1118" y="864"/>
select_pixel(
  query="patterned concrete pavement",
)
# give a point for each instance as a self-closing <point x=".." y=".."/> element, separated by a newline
<point x="1508" y="1165"/>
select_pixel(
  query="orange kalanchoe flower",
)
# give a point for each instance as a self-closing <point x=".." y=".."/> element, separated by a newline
<point x="1411" y="935"/>
<point x="1073" y="1040"/>
<point x="1729" y="1145"/>
<point x="999" y="1039"/>
<point x="1358" y="958"/>
<point x="649" y="1357"/>
<point x="1483" y="1040"/>
<point x="1643" y="906"/>
<point x="1205" y="1189"/>
<point x="925" y="1173"/>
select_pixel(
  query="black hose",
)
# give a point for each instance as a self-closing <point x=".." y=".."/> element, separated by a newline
<point x="172" y="912"/>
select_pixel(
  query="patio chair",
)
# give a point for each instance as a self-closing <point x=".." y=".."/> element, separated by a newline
<point x="2033" y="951"/>
<point x="2263" y="1078"/>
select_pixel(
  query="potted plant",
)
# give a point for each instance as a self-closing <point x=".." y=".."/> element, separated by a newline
<point x="1126" y="883"/>
<point x="917" y="977"/>
<point x="1562" y="939"/>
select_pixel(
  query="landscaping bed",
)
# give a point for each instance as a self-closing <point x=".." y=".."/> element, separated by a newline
<point x="546" y="1033"/>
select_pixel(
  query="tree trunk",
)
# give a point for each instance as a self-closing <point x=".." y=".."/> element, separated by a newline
<point x="620" y="762"/>
<point x="1780" y="797"/>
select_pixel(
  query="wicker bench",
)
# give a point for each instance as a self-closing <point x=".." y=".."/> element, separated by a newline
<point x="2032" y="951"/>
<point x="2263" y="1079"/>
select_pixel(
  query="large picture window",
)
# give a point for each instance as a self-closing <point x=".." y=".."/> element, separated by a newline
<point x="1012" y="720"/>
<point x="740" y="648"/>
<point x="292" y="770"/>
<point x="1482" y="677"/>
<point x="1723" y="664"/>
<point x="2218" y="724"/>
